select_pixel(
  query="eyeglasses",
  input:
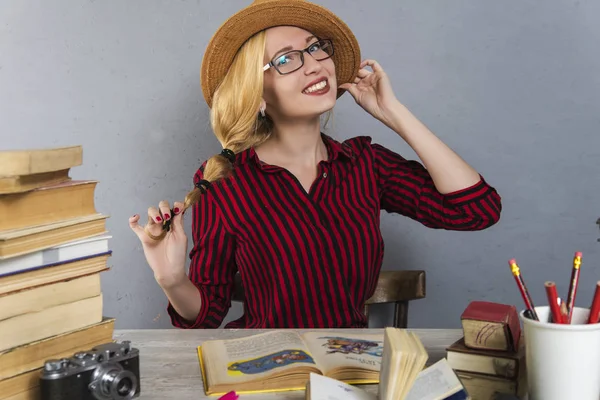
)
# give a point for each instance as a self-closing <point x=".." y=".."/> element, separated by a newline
<point x="291" y="61"/>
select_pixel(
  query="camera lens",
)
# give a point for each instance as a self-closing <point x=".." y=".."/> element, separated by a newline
<point x="123" y="385"/>
<point x="112" y="381"/>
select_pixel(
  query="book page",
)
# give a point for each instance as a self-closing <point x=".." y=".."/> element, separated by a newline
<point x="391" y="366"/>
<point x="435" y="383"/>
<point x="256" y="356"/>
<point x="338" y="349"/>
<point x="324" y="388"/>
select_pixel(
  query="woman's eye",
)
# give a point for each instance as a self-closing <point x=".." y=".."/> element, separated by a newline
<point x="282" y="60"/>
<point x="286" y="59"/>
<point x="314" y="47"/>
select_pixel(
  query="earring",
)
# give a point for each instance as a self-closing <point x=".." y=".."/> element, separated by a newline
<point x="262" y="112"/>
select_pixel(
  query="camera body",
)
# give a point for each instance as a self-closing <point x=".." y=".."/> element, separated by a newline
<point x="106" y="372"/>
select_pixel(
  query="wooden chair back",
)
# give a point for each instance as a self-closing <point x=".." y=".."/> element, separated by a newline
<point x="398" y="287"/>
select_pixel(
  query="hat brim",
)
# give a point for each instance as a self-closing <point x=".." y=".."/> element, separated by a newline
<point x="318" y="20"/>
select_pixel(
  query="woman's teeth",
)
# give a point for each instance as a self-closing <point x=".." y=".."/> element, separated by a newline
<point x="316" y="86"/>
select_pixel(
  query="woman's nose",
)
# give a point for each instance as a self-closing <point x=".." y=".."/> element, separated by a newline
<point x="311" y="66"/>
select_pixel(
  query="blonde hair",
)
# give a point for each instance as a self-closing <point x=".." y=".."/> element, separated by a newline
<point x="234" y="112"/>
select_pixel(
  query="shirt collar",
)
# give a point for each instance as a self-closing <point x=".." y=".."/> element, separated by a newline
<point x="335" y="150"/>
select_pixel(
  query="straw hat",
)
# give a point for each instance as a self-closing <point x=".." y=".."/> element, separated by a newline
<point x="263" y="14"/>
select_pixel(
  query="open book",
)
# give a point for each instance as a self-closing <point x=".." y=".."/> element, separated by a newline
<point x="283" y="360"/>
<point x="437" y="382"/>
<point x="403" y="358"/>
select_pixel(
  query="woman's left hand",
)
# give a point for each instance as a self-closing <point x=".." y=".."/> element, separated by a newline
<point x="372" y="90"/>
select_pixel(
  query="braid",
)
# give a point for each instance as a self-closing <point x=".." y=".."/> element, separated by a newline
<point x="234" y="116"/>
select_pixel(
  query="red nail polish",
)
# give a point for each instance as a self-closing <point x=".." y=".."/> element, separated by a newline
<point x="176" y="210"/>
<point x="158" y="219"/>
<point x="134" y="216"/>
<point x="167" y="216"/>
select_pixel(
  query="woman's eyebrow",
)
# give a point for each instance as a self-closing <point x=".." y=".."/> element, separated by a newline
<point x="288" y="48"/>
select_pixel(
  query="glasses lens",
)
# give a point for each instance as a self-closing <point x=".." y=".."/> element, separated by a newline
<point x="291" y="61"/>
<point x="321" y="50"/>
<point x="288" y="62"/>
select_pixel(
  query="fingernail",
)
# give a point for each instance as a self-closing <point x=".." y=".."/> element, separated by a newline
<point x="158" y="219"/>
<point x="167" y="216"/>
<point x="134" y="216"/>
<point x="176" y="210"/>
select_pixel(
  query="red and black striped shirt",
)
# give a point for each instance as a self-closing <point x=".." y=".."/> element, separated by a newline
<point x="311" y="260"/>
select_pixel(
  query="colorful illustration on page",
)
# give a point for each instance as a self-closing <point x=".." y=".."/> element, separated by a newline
<point x="352" y="346"/>
<point x="269" y="362"/>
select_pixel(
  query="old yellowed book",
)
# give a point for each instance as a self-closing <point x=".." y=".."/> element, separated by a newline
<point x="25" y="183"/>
<point x="23" y="386"/>
<point x="282" y="360"/>
<point x="48" y="204"/>
<point x="404" y="357"/>
<point x="46" y="296"/>
<point x="16" y="242"/>
<point x="436" y="382"/>
<point x="53" y="273"/>
<point x="491" y="326"/>
<point x="26" y="328"/>
<point x="36" y="161"/>
<point x="30" y="394"/>
<point x="482" y="386"/>
<point x="30" y="356"/>
<point x="507" y="364"/>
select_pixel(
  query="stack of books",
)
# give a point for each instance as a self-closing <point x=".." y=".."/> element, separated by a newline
<point x="490" y="357"/>
<point x="53" y="247"/>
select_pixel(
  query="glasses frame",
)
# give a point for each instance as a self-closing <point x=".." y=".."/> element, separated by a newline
<point x="301" y="53"/>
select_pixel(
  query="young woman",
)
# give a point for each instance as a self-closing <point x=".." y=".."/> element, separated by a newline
<point x="294" y="211"/>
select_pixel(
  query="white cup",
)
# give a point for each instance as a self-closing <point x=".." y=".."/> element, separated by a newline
<point x="563" y="361"/>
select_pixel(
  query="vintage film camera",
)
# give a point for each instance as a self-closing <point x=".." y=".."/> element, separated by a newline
<point x="108" y="371"/>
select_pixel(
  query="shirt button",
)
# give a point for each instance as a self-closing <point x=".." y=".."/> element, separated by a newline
<point x="324" y="174"/>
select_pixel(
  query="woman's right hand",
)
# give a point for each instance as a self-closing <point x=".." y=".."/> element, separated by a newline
<point x="165" y="256"/>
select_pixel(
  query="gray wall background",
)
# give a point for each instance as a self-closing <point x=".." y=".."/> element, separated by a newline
<point x="512" y="86"/>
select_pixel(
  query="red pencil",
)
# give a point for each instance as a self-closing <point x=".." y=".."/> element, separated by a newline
<point x="553" y="302"/>
<point x="564" y="312"/>
<point x="521" y="284"/>
<point x="594" y="317"/>
<point x="573" y="285"/>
